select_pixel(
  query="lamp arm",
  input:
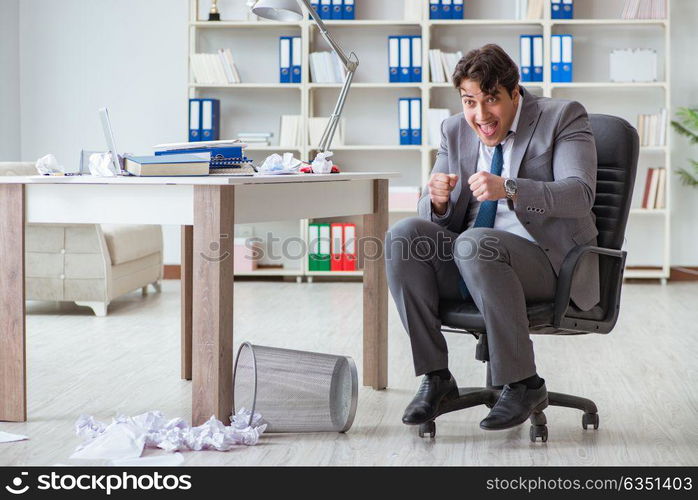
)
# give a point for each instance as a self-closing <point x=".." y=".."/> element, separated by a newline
<point x="348" y="63"/>
<point x="328" y="134"/>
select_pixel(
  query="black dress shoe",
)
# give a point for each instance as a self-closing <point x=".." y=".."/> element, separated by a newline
<point x="514" y="406"/>
<point x="425" y="404"/>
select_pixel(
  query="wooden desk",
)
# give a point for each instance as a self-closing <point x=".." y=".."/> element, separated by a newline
<point x="207" y="208"/>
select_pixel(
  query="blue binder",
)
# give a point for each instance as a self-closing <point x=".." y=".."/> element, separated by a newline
<point x="393" y="59"/>
<point x="316" y="6"/>
<point x="337" y="9"/>
<point x="525" y="54"/>
<point x="556" y="58"/>
<point x="194" y="120"/>
<point x="537" y="57"/>
<point x="210" y="119"/>
<point x="416" y="121"/>
<point x="348" y="10"/>
<point x="285" y="59"/>
<point x="405" y="58"/>
<point x="446" y="11"/>
<point x="567" y="9"/>
<point x="295" y="59"/>
<point x="434" y="9"/>
<point x="556" y="9"/>
<point x="457" y="9"/>
<point x="220" y="157"/>
<point x="415" y="58"/>
<point x="404" y="121"/>
<point x="567" y="67"/>
<point x="325" y="9"/>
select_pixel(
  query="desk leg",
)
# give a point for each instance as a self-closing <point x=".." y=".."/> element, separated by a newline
<point x="376" y="290"/>
<point x="13" y="359"/>
<point x="212" y="308"/>
<point x="186" y="296"/>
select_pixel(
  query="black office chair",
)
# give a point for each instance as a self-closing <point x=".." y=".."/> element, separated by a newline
<point x="617" y="147"/>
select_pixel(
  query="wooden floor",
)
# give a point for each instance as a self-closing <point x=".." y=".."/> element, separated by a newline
<point x="642" y="376"/>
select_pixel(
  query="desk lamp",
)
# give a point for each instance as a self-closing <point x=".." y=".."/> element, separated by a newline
<point x="290" y="11"/>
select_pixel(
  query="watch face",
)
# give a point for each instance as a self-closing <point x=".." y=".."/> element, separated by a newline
<point x="510" y="185"/>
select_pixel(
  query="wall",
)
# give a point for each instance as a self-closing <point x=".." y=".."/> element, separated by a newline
<point x="9" y="81"/>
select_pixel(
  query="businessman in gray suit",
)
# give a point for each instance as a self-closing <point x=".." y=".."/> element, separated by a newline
<point x="510" y="194"/>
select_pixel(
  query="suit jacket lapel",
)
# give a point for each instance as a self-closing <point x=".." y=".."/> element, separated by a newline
<point x="530" y="113"/>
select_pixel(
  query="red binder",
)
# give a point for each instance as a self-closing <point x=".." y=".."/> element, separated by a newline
<point x="337" y="237"/>
<point x="349" y="254"/>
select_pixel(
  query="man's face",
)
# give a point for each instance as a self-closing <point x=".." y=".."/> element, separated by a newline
<point x="490" y="116"/>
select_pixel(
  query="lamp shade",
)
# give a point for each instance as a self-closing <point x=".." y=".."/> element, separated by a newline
<point x="278" y="10"/>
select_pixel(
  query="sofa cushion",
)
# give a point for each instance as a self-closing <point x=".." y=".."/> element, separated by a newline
<point x="127" y="242"/>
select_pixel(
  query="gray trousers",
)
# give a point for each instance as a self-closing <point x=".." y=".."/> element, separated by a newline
<point x="502" y="271"/>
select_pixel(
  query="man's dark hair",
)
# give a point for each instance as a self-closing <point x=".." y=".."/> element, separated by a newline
<point x="490" y="66"/>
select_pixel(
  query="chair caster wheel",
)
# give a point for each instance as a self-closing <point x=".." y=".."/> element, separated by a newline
<point x="427" y="428"/>
<point x="590" y="419"/>
<point x="539" y="431"/>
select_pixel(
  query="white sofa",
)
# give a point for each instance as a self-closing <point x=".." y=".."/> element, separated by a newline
<point x="89" y="264"/>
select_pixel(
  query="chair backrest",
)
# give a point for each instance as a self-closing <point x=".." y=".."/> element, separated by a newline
<point x="617" y="150"/>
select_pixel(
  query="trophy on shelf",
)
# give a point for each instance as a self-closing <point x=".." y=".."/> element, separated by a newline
<point x="213" y="14"/>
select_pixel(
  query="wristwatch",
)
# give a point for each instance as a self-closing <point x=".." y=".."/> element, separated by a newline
<point x="510" y="188"/>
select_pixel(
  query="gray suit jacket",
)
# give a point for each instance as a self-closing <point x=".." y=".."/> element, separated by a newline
<point x="556" y="180"/>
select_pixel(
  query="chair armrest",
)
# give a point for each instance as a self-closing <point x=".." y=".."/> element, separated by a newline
<point x="566" y="275"/>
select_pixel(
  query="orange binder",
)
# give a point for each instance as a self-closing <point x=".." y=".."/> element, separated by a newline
<point x="349" y="254"/>
<point x="337" y="236"/>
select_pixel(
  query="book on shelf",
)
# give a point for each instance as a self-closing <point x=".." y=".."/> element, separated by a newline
<point x="654" y="193"/>
<point x="529" y="9"/>
<point x="644" y="9"/>
<point x="316" y="127"/>
<point x="168" y="165"/>
<point x="290" y="130"/>
<point x="215" y="69"/>
<point x="256" y="138"/>
<point x="326" y="67"/>
<point x="413" y="10"/>
<point x="435" y="117"/>
<point x="652" y="128"/>
<point x="442" y="64"/>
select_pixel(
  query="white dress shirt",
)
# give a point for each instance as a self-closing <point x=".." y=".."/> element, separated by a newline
<point x="506" y="219"/>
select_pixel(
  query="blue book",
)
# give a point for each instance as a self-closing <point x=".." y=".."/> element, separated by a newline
<point x="404" y="121"/>
<point x="457" y="9"/>
<point x="285" y="59"/>
<point x="210" y="119"/>
<point x="415" y="58"/>
<point x="446" y="11"/>
<point x="556" y="9"/>
<point x="295" y="59"/>
<point x="555" y="58"/>
<point x="325" y="9"/>
<point x="316" y="6"/>
<point x="416" y="121"/>
<point x="434" y="9"/>
<point x="525" y="54"/>
<point x="567" y="9"/>
<point x="405" y="58"/>
<point x="537" y="57"/>
<point x="337" y="9"/>
<point x="348" y="10"/>
<point x="229" y="153"/>
<point x="393" y="59"/>
<point x="194" y="120"/>
<point x="169" y="158"/>
<point x="567" y="66"/>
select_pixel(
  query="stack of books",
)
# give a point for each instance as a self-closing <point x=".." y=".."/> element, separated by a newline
<point x="256" y="138"/>
<point x="652" y="129"/>
<point x="442" y="64"/>
<point x="215" y="69"/>
<point x="224" y="157"/>
<point x="644" y="9"/>
<point x="655" y="189"/>
<point x="291" y="130"/>
<point x="325" y="67"/>
<point x="167" y="165"/>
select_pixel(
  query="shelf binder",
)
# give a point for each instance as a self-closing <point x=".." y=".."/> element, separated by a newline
<point x="416" y="59"/>
<point x="210" y="119"/>
<point x="349" y="247"/>
<point x="446" y="11"/>
<point x="567" y="9"/>
<point x="284" y="59"/>
<point x="337" y="232"/>
<point x="556" y="9"/>
<point x="325" y="9"/>
<point x="434" y="9"/>
<point x="416" y="121"/>
<point x="337" y="9"/>
<point x="393" y="59"/>
<point x="457" y="9"/>
<point x="405" y="59"/>
<point x="296" y="59"/>
<point x="316" y="6"/>
<point x="525" y="57"/>
<point x="194" y="120"/>
<point x="537" y="71"/>
<point x="348" y="10"/>
<point x="567" y="67"/>
<point x="404" y="120"/>
<point x="323" y="255"/>
<point x="313" y="244"/>
<point x="555" y="58"/>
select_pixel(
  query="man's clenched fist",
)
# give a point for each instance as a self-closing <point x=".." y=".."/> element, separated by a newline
<point x="440" y="187"/>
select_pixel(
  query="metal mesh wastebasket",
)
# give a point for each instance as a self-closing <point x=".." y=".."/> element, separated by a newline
<point x="296" y="391"/>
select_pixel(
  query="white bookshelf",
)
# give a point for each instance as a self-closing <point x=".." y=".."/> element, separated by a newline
<point x="376" y="21"/>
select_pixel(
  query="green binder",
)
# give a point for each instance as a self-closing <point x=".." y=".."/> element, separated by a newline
<point x="323" y="253"/>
